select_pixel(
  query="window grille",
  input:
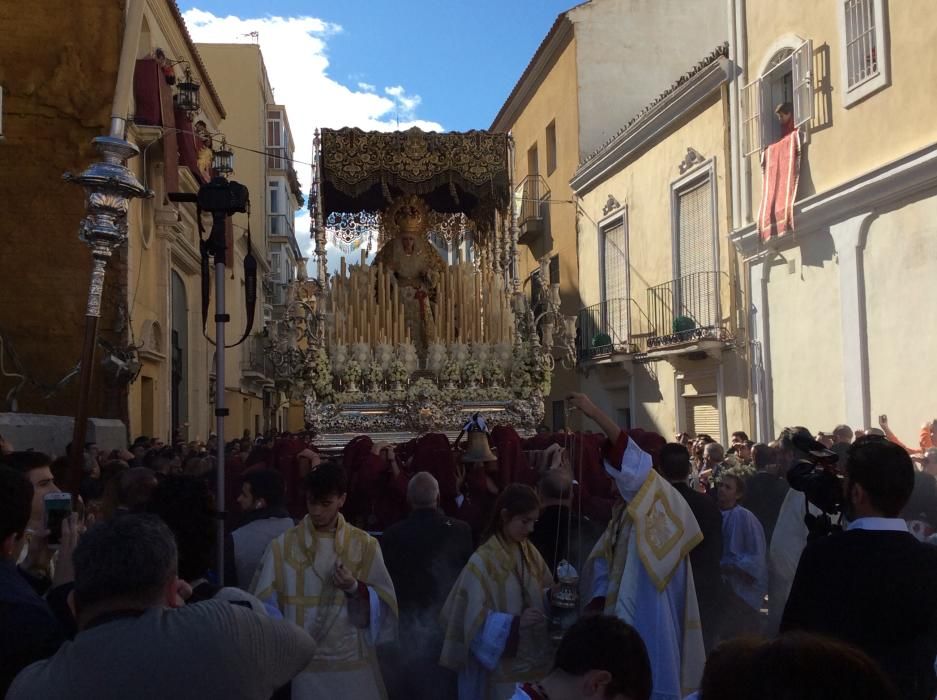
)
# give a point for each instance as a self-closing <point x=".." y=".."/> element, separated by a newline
<point x="614" y="261"/>
<point x="861" y="42"/>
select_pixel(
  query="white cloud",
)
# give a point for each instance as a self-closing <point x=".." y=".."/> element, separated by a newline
<point x="295" y="53"/>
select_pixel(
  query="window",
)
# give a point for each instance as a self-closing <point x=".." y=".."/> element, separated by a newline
<point x="788" y="78"/>
<point x="275" y="271"/>
<point x="695" y="229"/>
<point x="533" y="161"/>
<point x="275" y="142"/>
<point x="864" y="62"/>
<point x="614" y="260"/>
<point x="551" y="147"/>
<point x="275" y="201"/>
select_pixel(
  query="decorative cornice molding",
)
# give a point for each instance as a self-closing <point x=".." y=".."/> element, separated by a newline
<point x="655" y="121"/>
<point x="872" y="190"/>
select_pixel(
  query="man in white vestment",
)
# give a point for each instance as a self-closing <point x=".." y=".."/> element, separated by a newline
<point x="329" y="578"/>
<point x="639" y="570"/>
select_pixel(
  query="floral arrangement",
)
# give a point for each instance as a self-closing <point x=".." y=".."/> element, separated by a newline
<point x="320" y="375"/>
<point x="423" y="390"/>
<point x="374" y="377"/>
<point x="352" y="375"/>
<point x="494" y="376"/>
<point x="452" y="372"/>
<point x="397" y="373"/>
<point x="471" y="372"/>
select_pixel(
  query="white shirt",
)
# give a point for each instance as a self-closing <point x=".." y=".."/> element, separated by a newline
<point x="880" y="524"/>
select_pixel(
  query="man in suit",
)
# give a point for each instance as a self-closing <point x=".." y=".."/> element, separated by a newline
<point x="705" y="557"/>
<point x="873" y="585"/>
<point x="559" y="533"/>
<point x="425" y="555"/>
<point x="765" y="490"/>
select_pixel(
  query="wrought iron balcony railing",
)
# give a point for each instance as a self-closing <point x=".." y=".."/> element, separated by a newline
<point x="254" y="361"/>
<point x="531" y="206"/>
<point x="687" y="309"/>
<point x="612" y="326"/>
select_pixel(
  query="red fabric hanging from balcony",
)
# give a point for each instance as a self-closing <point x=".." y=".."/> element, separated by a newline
<point x="780" y="165"/>
<point x="154" y="107"/>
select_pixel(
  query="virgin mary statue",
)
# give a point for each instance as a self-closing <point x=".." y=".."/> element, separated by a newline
<point x="415" y="264"/>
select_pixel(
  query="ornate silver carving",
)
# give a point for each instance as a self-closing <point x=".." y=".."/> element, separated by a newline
<point x="109" y="185"/>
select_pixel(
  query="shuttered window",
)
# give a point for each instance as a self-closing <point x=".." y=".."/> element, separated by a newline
<point x="614" y="261"/>
<point x="702" y="416"/>
<point x="695" y="235"/>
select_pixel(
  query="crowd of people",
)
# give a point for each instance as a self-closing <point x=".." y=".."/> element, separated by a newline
<point x="433" y="570"/>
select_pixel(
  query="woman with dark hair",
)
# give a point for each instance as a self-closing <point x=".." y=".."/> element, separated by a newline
<point x="496" y="627"/>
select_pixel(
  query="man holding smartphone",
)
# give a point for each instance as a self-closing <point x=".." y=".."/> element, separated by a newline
<point x="30" y="630"/>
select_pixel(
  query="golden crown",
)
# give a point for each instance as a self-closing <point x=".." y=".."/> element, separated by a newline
<point x="410" y="215"/>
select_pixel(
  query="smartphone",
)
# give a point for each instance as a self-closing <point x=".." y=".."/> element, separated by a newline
<point x="58" y="506"/>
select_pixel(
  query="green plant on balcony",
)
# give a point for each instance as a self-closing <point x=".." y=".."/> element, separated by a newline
<point x="601" y="340"/>
<point x="681" y="324"/>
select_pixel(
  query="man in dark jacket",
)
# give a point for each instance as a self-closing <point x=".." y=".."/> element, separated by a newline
<point x="705" y="557"/>
<point x="28" y="629"/>
<point x="765" y="490"/>
<point x="559" y="534"/>
<point x="424" y="555"/>
<point x="873" y="585"/>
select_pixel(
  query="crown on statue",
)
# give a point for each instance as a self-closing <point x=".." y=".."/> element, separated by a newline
<point x="410" y="215"/>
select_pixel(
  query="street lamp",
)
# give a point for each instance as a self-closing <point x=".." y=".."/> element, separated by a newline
<point x="109" y="186"/>
<point x="222" y="161"/>
<point x="187" y="93"/>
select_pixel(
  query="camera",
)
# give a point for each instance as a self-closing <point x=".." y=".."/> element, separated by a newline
<point x="223" y="197"/>
<point x="817" y="477"/>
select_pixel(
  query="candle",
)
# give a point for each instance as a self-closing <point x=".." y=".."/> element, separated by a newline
<point x="362" y="257"/>
<point x="343" y="267"/>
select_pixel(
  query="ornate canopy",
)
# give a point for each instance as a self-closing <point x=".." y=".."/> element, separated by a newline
<point x="454" y="172"/>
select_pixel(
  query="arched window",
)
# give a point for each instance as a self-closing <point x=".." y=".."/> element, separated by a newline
<point x="787" y="77"/>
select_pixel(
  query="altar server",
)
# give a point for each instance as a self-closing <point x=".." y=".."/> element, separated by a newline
<point x="639" y="570"/>
<point x="329" y="578"/>
<point x="496" y="627"/>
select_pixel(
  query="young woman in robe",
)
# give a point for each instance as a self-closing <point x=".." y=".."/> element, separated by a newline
<point x="495" y="619"/>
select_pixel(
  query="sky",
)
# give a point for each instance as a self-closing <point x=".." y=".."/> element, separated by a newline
<point x="381" y="64"/>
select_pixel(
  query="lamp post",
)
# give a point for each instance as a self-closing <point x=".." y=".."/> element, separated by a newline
<point x="109" y="186"/>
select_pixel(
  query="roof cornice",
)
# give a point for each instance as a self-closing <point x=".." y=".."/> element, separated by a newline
<point x="654" y="121"/>
<point x="556" y="40"/>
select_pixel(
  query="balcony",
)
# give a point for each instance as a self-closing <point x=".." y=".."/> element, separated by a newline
<point x="531" y="207"/>
<point x="254" y="364"/>
<point x="279" y="225"/>
<point x="686" y="314"/>
<point x="611" y="331"/>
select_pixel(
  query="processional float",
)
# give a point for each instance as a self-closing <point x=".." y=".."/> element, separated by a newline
<point x="436" y="326"/>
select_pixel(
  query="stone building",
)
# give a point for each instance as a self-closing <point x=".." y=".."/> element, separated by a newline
<point x="600" y="63"/>
<point x="839" y="305"/>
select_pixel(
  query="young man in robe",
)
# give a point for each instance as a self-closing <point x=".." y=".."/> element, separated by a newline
<point x="639" y="570"/>
<point x="744" y="561"/>
<point x="329" y="578"/>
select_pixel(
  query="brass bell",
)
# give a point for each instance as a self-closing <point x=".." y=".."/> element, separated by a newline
<point x="478" y="449"/>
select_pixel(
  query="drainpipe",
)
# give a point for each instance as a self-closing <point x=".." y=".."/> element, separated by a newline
<point x="734" y="117"/>
<point x="133" y="25"/>
<point x="745" y="162"/>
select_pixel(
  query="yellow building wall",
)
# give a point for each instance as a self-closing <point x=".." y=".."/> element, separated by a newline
<point x="644" y="190"/>
<point x="555" y="100"/>
<point x="803" y="319"/>
<point x="902" y="339"/>
<point x="893" y="122"/>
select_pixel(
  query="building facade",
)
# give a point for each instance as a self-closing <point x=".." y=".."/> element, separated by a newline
<point x="152" y="363"/>
<point x="599" y="64"/>
<point x="259" y="129"/>
<point x="661" y="343"/>
<point x="837" y="305"/>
